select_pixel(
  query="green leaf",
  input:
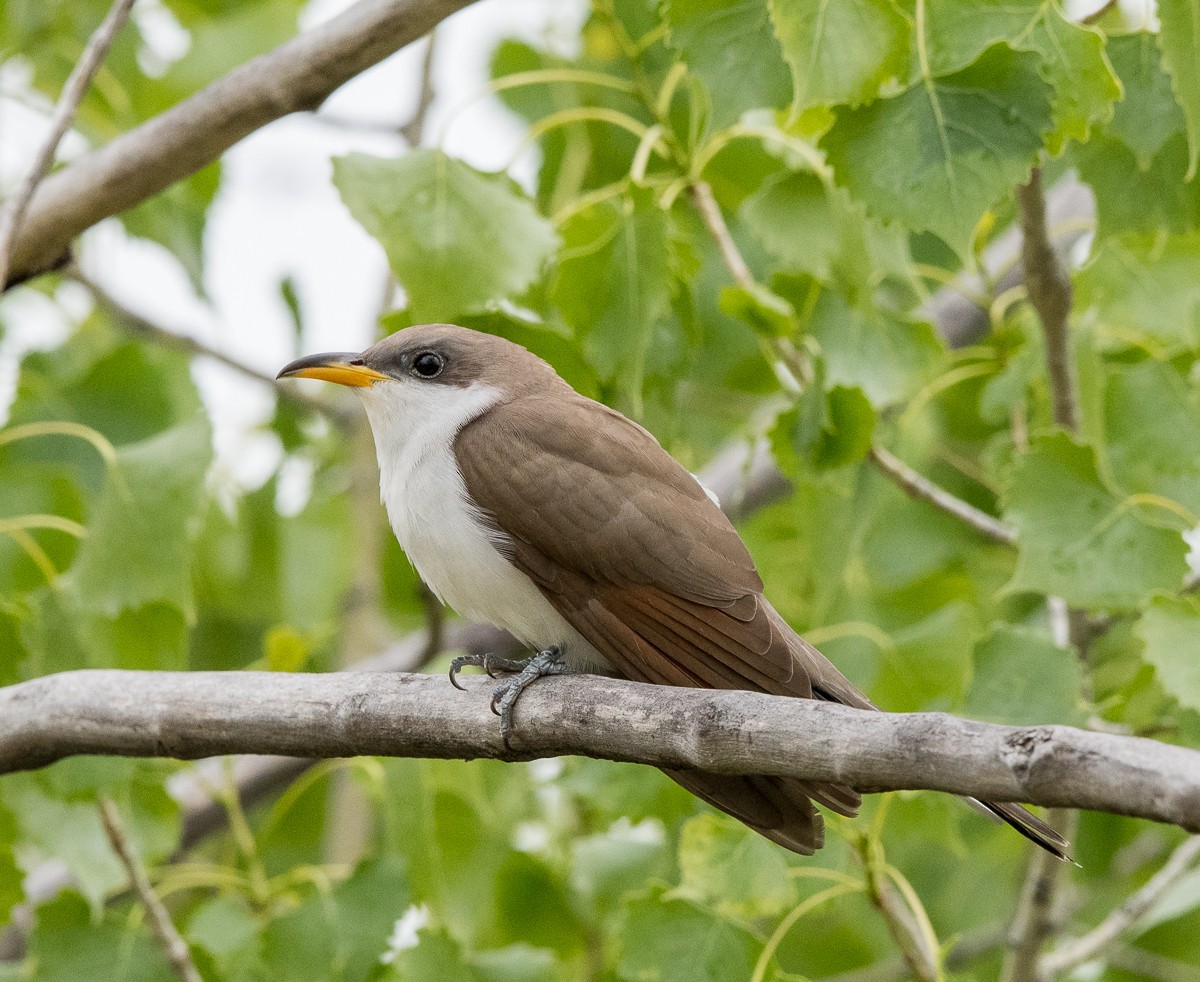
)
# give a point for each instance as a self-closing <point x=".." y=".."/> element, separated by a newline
<point x="1022" y="678"/>
<point x="1145" y="287"/>
<point x="516" y="963"/>
<point x="1148" y="115"/>
<point x="825" y="429"/>
<point x="1080" y="540"/>
<point x="765" y="312"/>
<point x="840" y="51"/>
<point x="1180" y="41"/>
<point x="458" y="240"/>
<point x="613" y="284"/>
<point x="138" y="547"/>
<point x="11" y="892"/>
<point x="1170" y="631"/>
<point x="677" y="941"/>
<point x="339" y="935"/>
<point x="435" y="958"/>
<point x="531" y="905"/>
<point x="1152" y="427"/>
<point x="1072" y="55"/>
<point x="939" y="154"/>
<point x="66" y="945"/>
<point x="721" y="40"/>
<point x="736" y="871"/>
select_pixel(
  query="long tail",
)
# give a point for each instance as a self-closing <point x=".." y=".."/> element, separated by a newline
<point x="1029" y="825"/>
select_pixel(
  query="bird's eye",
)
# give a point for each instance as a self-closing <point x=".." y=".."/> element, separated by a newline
<point x="427" y="365"/>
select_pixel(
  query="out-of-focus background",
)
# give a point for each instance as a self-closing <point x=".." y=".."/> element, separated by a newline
<point x="543" y="170"/>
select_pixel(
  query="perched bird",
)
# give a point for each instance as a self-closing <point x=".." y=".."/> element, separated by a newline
<point x="522" y="503"/>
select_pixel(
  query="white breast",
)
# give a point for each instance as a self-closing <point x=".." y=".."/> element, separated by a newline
<point x="437" y="525"/>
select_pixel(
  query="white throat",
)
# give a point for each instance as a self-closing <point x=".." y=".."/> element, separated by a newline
<point x="438" y="526"/>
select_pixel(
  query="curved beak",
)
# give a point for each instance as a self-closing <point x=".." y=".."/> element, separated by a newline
<point x="342" y="367"/>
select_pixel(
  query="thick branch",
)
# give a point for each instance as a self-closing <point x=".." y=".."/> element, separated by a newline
<point x="298" y="75"/>
<point x="199" y="714"/>
<point x="13" y="212"/>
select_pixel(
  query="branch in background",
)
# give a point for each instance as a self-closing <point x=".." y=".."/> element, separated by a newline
<point x="298" y="75"/>
<point x="138" y="325"/>
<point x="1049" y="288"/>
<point x="200" y="714"/>
<point x="13" y="211"/>
<point x="922" y="489"/>
<point x="173" y="945"/>
<point x="1124" y="917"/>
<point x="895" y="470"/>
<point x="414" y="130"/>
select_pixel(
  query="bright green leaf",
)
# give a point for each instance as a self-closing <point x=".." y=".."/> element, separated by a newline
<point x="1022" y="678"/>
<point x="1170" y="631"/>
<point x="1080" y="540"/>
<point x="736" y="871"/>
<point x="765" y="312"/>
<point x="939" y="154"/>
<point x="435" y="958"/>
<point x="138" y="546"/>
<point x="677" y="941"/>
<point x="1152" y="427"/>
<point x="840" y="51"/>
<point x="458" y="240"/>
<point x="1148" y="115"/>
<point x="1180" y="41"/>
<point x="721" y="40"/>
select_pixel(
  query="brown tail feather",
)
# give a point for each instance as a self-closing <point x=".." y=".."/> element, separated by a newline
<point x="1030" y="826"/>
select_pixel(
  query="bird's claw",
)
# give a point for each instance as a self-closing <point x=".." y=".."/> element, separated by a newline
<point x="524" y="674"/>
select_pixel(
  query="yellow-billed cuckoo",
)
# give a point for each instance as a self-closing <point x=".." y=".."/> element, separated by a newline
<point x="524" y="504"/>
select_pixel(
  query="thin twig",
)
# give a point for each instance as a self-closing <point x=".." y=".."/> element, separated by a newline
<point x="173" y="945"/>
<point x="1124" y="917"/>
<point x="145" y="329"/>
<point x="1034" y="921"/>
<point x="1050" y="293"/>
<point x="78" y="81"/>
<point x="920" y="487"/>
<point x="889" y="465"/>
<point x="414" y="130"/>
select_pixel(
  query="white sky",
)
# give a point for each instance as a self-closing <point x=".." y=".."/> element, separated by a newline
<point x="277" y="214"/>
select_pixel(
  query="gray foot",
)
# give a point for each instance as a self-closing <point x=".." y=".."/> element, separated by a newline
<point x="505" y="695"/>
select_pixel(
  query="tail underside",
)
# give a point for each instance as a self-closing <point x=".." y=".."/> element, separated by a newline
<point x="1029" y="825"/>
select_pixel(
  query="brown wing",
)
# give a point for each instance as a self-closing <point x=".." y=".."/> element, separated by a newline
<point x="662" y="584"/>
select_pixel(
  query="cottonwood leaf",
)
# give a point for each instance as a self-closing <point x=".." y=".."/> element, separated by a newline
<point x="1080" y="540"/>
<point x="138" y="548"/>
<point x="1072" y="55"/>
<point x="1179" y="38"/>
<point x="1022" y="678"/>
<point x="340" y="934"/>
<point x="1170" y="631"/>
<point x="739" y="873"/>
<point x="937" y="155"/>
<point x="731" y="48"/>
<point x="1152" y="431"/>
<point x="436" y="957"/>
<point x="458" y="240"/>
<point x="1148" y="115"/>
<point x="1145" y="286"/>
<point x="613" y="284"/>
<point x="677" y="941"/>
<point x="840" y="51"/>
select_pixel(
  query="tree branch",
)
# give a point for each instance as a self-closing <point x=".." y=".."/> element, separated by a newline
<point x="1124" y="917"/>
<point x="199" y="714"/>
<point x="921" y="488"/>
<point x="1050" y="292"/>
<point x="890" y="466"/>
<point x="13" y="212"/>
<point x="298" y="75"/>
<point x="173" y="945"/>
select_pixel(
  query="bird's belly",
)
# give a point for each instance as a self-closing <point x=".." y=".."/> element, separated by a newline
<point x="440" y="532"/>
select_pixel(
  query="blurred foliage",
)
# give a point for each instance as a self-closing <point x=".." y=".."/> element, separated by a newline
<point x="863" y="152"/>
